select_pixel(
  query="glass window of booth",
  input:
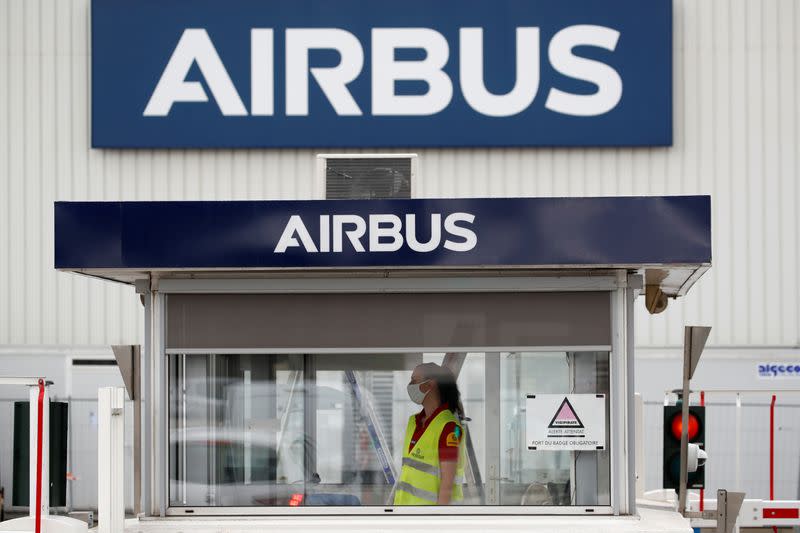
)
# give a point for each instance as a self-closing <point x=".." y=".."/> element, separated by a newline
<point x="335" y="429"/>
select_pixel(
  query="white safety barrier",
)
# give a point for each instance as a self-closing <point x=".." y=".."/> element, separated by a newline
<point x="110" y="459"/>
<point x="758" y="513"/>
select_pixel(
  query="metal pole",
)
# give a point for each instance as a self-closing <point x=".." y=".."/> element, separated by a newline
<point x="702" y="492"/>
<point x="687" y="343"/>
<point x="146" y="441"/>
<point x="69" y="454"/>
<point x="772" y="449"/>
<point x="454" y="361"/>
<point x="310" y="418"/>
<point x="738" y="449"/>
<point x="39" y="446"/>
<point x="137" y="431"/>
<point x="738" y="442"/>
<point x="493" y="429"/>
<point x="639" y="446"/>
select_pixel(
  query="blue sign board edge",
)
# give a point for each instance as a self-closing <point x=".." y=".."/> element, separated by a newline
<point x="509" y="232"/>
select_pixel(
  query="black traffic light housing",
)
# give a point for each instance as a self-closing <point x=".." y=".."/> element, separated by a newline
<point x="59" y="417"/>
<point x="672" y="445"/>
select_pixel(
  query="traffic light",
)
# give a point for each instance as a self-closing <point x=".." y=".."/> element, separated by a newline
<point x="673" y="425"/>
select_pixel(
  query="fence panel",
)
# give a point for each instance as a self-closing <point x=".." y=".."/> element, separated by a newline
<point x="721" y="442"/>
<point x="81" y="453"/>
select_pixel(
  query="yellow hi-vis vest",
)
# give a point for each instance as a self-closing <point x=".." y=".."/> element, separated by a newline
<point x="420" y="477"/>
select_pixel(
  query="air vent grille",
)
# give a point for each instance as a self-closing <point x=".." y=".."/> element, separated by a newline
<point x="367" y="178"/>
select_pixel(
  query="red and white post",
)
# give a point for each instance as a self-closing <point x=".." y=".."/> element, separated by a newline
<point x="39" y="499"/>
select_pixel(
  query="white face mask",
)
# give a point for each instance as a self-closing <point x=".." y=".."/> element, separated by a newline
<point x="415" y="392"/>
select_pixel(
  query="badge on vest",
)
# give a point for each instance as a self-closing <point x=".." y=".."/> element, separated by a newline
<point x="452" y="438"/>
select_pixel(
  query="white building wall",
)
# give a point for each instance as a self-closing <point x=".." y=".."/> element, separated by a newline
<point x="736" y="112"/>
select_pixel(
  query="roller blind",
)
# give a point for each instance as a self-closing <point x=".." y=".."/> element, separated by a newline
<point x="387" y="320"/>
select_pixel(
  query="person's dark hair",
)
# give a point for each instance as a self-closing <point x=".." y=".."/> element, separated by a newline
<point x="446" y="383"/>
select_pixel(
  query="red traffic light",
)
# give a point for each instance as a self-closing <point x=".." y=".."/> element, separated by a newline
<point x="677" y="426"/>
<point x="695" y="431"/>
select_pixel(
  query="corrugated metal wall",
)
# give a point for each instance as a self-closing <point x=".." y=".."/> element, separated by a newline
<point x="736" y="137"/>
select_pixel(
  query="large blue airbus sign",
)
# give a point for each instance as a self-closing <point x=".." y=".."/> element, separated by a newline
<point x="359" y="73"/>
<point x="474" y="232"/>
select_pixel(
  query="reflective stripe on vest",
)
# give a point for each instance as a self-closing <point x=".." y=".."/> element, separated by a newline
<point x="420" y="475"/>
<point x="419" y="493"/>
<point x="428" y="469"/>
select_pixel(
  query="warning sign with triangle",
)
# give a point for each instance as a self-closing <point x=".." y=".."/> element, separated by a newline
<point x="565" y="417"/>
<point x="565" y="421"/>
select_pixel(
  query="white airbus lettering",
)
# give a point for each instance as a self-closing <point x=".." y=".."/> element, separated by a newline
<point x="262" y="85"/>
<point x="334" y="82"/>
<point x="380" y="232"/>
<point x="607" y="80"/>
<point x="194" y="47"/>
<point x="467" y="238"/>
<point x="435" y="238"/>
<point x="472" y="83"/>
<point x="386" y="71"/>
<point x="295" y="228"/>
<point x="358" y="229"/>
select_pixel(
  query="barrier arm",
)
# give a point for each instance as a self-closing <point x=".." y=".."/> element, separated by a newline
<point x="756" y="514"/>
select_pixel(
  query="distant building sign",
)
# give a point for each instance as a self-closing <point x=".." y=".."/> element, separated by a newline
<point x="293" y="73"/>
<point x="783" y="370"/>
<point x="566" y="421"/>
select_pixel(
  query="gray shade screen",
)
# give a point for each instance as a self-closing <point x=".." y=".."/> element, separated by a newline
<point x="334" y="321"/>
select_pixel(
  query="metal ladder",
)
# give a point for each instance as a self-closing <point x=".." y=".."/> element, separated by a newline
<point x="375" y="432"/>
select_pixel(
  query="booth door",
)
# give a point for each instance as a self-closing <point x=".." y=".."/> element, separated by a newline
<point x="279" y="401"/>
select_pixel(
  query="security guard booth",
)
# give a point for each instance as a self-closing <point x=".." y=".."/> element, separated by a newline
<point x="280" y="335"/>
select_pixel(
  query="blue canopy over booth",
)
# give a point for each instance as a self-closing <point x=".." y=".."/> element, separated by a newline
<point x="669" y="238"/>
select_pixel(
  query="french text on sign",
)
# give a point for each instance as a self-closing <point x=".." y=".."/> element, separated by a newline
<point x="566" y="422"/>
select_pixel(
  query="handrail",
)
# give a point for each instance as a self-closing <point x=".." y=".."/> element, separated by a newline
<point x="23" y="380"/>
<point x="772" y="452"/>
<point x="739" y="391"/>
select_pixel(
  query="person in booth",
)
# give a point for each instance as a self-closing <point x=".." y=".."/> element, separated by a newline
<point x="433" y="450"/>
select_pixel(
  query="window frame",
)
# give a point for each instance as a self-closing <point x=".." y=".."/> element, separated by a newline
<point x="620" y="285"/>
<point x="173" y="510"/>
